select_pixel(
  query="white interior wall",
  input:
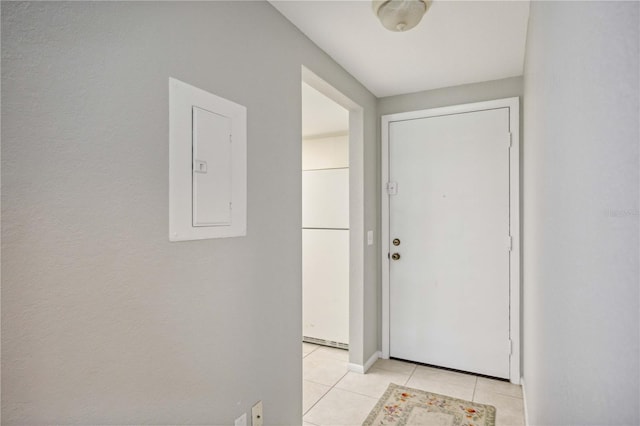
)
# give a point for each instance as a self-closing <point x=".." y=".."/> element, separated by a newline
<point x="328" y="152"/>
<point x="104" y="321"/>
<point x="581" y="213"/>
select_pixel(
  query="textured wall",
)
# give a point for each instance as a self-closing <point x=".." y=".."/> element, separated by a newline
<point x="581" y="213"/>
<point x="103" y="320"/>
<point x="464" y="94"/>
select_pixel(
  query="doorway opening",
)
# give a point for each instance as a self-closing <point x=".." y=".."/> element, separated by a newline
<point x="325" y="220"/>
<point x="350" y="139"/>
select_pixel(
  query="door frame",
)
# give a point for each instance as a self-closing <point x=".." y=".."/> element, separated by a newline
<point x="356" y="215"/>
<point x="514" y="215"/>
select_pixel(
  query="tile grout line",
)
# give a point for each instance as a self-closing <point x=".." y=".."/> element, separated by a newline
<point x="415" y="366"/>
<point x="447" y="382"/>
<point x="411" y="375"/>
<point x="360" y="394"/>
<point x="373" y="368"/>
<point x="324" y="394"/>
<point x="504" y="395"/>
<point x="475" y="386"/>
<point x="309" y="353"/>
<point x="315" y="403"/>
<point x="303" y="379"/>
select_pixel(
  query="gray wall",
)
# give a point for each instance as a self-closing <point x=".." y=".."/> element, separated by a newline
<point x="464" y="94"/>
<point x="103" y="320"/>
<point x="581" y="213"/>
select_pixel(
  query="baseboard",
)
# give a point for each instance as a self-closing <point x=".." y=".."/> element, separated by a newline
<point x="357" y="368"/>
<point x="372" y="360"/>
<point x="524" y="401"/>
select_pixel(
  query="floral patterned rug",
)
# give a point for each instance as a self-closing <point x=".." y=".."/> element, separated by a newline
<point x="405" y="406"/>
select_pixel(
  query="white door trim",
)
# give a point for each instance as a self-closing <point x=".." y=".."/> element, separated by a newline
<point x="356" y="215"/>
<point x="514" y="215"/>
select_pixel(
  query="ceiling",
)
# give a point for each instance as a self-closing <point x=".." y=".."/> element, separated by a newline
<point x="457" y="42"/>
<point x="321" y="115"/>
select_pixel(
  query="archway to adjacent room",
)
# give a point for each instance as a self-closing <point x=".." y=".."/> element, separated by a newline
<point x="349" y="172"/>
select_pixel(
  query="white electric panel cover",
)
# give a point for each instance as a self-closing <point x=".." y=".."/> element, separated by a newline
<point x="207" y="165"/>
<point x="211" y="168"/>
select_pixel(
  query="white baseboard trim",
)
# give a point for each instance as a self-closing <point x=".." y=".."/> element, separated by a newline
<point x="372" y="360"/>
<point x="524" y="400"/>
<point x="357" y="368"/>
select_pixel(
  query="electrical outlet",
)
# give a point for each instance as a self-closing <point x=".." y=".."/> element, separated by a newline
<point x="241" y="421"/>
<point x="256" y="414"/>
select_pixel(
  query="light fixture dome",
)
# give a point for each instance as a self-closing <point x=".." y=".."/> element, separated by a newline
<point x="400" y="15"/>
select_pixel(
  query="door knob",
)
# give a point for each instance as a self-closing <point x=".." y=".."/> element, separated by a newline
<point x="395" y="256"/>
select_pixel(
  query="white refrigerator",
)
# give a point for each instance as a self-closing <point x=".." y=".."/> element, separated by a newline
<point x="325" y="256"/>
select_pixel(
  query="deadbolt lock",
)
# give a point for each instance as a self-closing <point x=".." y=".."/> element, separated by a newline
<point x="396" y="241"/>
<point x="395" y="256"/>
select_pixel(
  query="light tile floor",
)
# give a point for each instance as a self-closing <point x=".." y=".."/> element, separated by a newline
<point x="334" y="396"/>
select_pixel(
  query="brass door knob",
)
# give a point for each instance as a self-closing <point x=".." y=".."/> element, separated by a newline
<point x="395" y="256"/>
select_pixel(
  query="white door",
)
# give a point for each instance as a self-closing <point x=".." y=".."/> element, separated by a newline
<point x="449" y="289"/>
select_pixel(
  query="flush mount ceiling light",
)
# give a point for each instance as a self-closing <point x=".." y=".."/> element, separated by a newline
<point x="400" y="15"/>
